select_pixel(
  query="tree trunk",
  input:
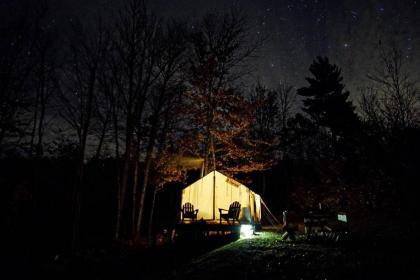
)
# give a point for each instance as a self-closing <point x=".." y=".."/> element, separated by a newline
<point x="117" y="167"/>
<point x="124" y="182"/>
<point x="152" y="211"/>
<point x="82" y="150"/>
<point x="206" y="153"/>
<point x="135" y="189"/>
<point x="161" y="147"/>
<point x="77" y="193"/>
<point x="35" y="121"/>
<point x="214" y="175"/>
<point x="148" y="164"/>
<point x="129" y="130"/>
<point x="77" y="201"/>
<point x="102" y="137"/>
<point x="39" y="148"/>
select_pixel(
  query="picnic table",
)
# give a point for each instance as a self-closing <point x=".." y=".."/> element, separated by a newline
<point x="331" y="227"/>
<point x="316" y="223"/>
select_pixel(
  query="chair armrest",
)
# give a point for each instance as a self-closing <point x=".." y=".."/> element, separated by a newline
<point x="221" y="209"/>
<point x="196" y="211"/>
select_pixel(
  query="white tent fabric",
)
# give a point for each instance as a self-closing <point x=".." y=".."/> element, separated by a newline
<point x="215" y="191"/>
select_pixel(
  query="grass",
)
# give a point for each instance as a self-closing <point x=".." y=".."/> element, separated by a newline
<point x="267" y="257"/>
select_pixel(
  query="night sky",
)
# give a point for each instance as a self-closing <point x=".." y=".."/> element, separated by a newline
<point x="347" y="31"/>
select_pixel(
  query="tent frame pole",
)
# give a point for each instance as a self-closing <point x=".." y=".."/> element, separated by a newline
<point x="214" y="194"/>
<point x="214" y="176"/>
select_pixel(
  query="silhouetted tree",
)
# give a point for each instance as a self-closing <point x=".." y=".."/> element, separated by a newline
<point x="164" y="97"/>
<point x="304" y="141"/>
<point x="390" y="106"/>
<point x="286" y="104"/>
<point x="43" y="79"/>
<point x="265" y="130"/>
<point x="265" y="113"/>
<point x="286" y="108"/>
<point x="219" y="115"/>
<point x="102" y="116"/>
<point x="16" y="49"/>
<point x="395" y="98"/>
<point x="80" y="88"/>
<point x="370" y="107"/>
<point x="326" y="101"/>
<point x="133" y="65"/>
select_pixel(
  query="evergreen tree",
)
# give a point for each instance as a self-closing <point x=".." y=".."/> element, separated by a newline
<point x="327" y="102"/>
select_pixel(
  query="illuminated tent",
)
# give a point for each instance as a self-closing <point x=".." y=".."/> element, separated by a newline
<point x="215" y="191"/>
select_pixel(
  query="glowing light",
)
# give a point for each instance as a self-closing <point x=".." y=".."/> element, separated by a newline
<point x="342" y="217"/>
<point x="247" y="231"/>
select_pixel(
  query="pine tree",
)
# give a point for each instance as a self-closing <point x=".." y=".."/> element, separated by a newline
<point x="327" y="102"/>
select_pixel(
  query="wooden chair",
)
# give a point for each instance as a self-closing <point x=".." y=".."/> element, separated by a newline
<point x="188" y="212"/>
<point x="232" y="213"/>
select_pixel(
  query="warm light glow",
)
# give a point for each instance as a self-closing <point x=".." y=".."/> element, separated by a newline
<point x="247" y="231"/>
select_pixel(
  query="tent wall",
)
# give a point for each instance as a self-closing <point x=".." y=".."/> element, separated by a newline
<point x="200" y="194"/>
<point x="258" y="207"/>
<point x="227" y="190"/>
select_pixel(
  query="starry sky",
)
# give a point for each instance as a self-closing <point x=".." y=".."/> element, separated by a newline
<point x="347" y="31"/>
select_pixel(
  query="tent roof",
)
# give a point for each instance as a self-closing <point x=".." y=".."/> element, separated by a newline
<point x="218" y="174"/>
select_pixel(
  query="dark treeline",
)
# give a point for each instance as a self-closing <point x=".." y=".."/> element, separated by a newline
<point x="102" y="126"/>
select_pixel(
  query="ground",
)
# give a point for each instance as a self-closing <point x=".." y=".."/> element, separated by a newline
<point x="263" y="256"/>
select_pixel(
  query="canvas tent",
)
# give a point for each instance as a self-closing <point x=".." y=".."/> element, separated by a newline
<point x="215" y="191"/>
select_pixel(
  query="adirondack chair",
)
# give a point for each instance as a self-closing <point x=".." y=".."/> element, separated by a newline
<point x="232" y="213"/>
<point x="188" y="212"/>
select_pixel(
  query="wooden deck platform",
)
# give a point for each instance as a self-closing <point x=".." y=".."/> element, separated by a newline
<point x="208" y="227"/>
<point x="203" y="231"/>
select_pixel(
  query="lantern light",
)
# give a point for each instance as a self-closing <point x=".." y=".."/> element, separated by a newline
<point x="247" y="231"/>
